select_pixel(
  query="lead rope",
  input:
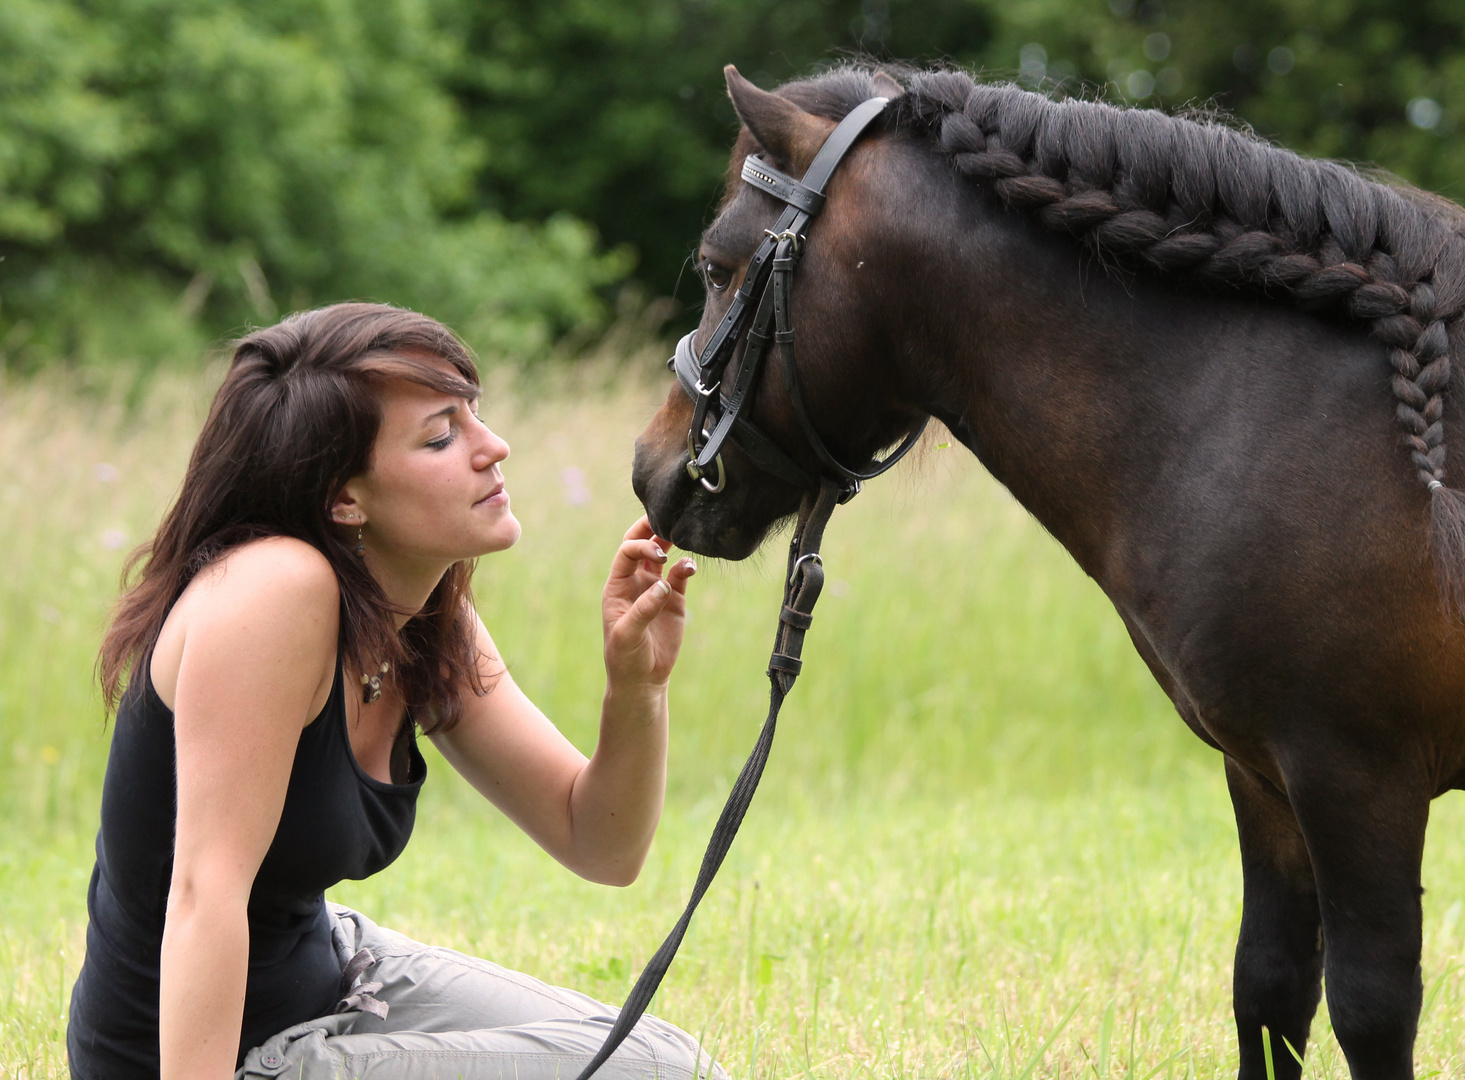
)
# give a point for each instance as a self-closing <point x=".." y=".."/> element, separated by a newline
<point x="801" y="589"/>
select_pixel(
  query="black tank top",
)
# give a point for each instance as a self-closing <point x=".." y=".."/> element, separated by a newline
<point x="337" y="823"/>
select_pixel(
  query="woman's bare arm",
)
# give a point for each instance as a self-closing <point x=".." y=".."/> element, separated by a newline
<point x="597" y="816"/>
<point x="253" y="638"/>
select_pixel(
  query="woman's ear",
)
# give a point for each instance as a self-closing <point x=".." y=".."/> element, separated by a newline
<point x="345" y="509"/>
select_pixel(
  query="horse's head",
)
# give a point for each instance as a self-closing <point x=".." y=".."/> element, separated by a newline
<point x="845" y="352"/>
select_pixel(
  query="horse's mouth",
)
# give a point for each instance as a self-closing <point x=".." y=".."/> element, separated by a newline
<point x="699" y="534"/>
<point x="703" y="525"/>
<point x="730" y="524"/>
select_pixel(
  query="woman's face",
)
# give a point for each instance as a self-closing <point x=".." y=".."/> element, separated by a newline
<point x="432" y="493"/>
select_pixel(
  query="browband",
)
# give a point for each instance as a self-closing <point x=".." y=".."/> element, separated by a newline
<point x="764" y="176"/>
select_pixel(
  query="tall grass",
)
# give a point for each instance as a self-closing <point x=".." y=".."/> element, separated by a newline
<point x="985" y="846"/>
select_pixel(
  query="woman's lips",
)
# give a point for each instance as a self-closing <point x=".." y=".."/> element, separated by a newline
<point x="498" y="497"/>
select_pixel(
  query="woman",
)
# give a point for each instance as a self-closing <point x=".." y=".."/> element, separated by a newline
<point x="302" y="610"/>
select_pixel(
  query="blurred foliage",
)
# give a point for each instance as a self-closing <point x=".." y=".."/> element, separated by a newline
<point x="179" y="167"/>
<point x="172" y="169"/>
<point x="617" y="113"/>
<point x="1367" y="80"/>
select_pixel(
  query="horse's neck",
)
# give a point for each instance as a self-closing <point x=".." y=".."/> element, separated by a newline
<point x="1040" y="362"/>
<point x="1092" y="394"/>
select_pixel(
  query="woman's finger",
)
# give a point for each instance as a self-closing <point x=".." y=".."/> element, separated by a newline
<point x="642" y="531"/>
<point x="678" y="574"/>
<point x="647" y="606"/>
<point x="632" y="553"/>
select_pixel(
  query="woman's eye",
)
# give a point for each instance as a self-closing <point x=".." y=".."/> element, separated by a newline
<point x="718" y="277"/>
<point x="442" y="443"/>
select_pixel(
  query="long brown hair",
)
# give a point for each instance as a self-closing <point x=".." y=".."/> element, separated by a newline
<point x="295" y="419"/>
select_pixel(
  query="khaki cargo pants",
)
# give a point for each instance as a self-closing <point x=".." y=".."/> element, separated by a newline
<point x="454" y="1017"/>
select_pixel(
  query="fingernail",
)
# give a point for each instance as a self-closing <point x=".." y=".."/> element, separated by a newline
<point x="690" y="565"/>
<point x="661" y="587"/>
<point x="659" y="553"/>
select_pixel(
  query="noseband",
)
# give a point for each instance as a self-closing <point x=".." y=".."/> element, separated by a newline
<point x="762" y="302"/>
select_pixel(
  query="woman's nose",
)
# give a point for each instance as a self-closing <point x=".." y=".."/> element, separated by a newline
<point x="491" y="448"/>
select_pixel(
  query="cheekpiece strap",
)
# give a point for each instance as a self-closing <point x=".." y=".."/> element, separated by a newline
<point x="765" y="177"/>
<point x="701" y="375"/>
<point x="839" y="142"/>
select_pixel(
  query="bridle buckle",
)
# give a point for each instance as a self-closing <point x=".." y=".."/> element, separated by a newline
<point x="794" y="238"/>
<point x="812" y="557"/>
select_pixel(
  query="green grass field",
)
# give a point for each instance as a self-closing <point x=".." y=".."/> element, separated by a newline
<point x="985" y="845"/>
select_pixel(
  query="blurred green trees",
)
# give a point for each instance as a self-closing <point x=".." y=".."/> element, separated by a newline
<point x="170" y="169"/>
<point x="173" y="169"/>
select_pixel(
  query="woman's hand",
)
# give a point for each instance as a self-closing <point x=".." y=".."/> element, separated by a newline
<point x="644" y="613"/>
<point x="597" y="816"/>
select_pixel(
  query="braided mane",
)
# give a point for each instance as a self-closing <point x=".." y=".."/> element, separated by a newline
<point x="1200" y="201"/>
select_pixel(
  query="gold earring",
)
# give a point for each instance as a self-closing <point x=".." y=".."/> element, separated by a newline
<point x="360" y="543"/>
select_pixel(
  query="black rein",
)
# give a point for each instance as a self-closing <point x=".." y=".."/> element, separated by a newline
<point x="801" y="589"/>
<point x="772" y="264"/>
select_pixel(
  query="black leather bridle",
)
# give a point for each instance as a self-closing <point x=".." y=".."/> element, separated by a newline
<point x="702" y="378"/>
<point x="762" y="303"/>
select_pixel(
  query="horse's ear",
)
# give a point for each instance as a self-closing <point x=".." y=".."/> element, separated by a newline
<point x="886" y="86"/>
<point x="781" y="127"/>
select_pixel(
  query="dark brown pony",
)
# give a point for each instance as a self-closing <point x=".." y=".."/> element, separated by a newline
<point x="1217" y="373"/>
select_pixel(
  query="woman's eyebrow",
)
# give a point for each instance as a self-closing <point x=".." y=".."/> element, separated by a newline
<point x="447" y="411"/>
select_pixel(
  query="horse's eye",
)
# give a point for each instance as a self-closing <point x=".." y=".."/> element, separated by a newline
<point x="718" y="277"/>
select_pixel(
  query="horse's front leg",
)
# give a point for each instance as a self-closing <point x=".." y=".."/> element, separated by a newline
<point x="1277" y="979"/>
<point x="1364" y="818"/>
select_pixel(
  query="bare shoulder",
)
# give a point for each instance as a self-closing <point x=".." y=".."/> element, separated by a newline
<point x="276" y="595"/>
<point x="279" y="569"/>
